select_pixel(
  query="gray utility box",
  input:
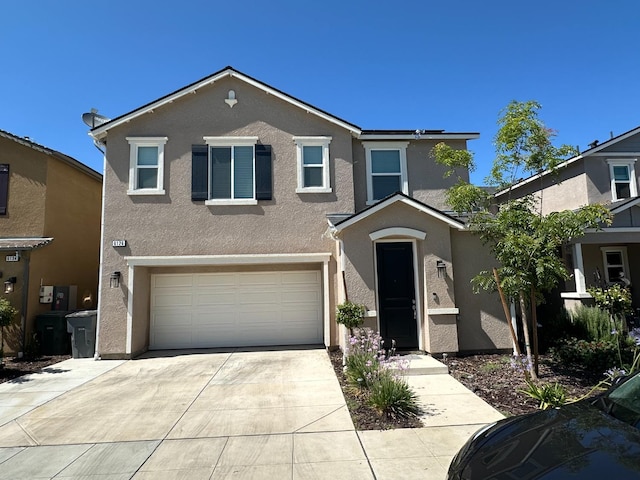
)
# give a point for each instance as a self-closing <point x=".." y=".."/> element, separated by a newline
<point x="82" y="327"/>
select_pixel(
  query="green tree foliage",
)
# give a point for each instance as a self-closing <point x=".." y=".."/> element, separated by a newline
<point x="524" y="243"/>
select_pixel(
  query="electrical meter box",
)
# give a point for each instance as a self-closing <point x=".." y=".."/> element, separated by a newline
<point x="46" y="294"/>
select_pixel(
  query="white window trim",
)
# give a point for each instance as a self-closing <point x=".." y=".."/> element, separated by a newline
<point x="399" y="146"/>
<point x="633" y="187"/>
<point x="625" y="262"/>
<point x="134" y="143"/>
<point x="313" y="142"/>
<point x="232" y="142"/>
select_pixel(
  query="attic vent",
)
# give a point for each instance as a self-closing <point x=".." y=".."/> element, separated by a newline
<point x="231" y="99"/>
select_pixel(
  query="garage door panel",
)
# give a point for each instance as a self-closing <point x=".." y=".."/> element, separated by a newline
<point x="236" y="309"/>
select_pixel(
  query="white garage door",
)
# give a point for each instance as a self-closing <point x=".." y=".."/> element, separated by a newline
<point x="235" y="309"/>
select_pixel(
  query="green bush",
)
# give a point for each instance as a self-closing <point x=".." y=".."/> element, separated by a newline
<point x="349" y="314"/>
<point x="555" y="328"/>
<point x="362" y="369"/>
<point x="615" y="299"/>
<point x="392" y="396"/>
<point x="597" y="356"/>
<point x="594" y="324"/>
<point x="548" y="395"/>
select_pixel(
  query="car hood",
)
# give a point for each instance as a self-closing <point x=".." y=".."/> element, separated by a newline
<point x="576" y="441"/>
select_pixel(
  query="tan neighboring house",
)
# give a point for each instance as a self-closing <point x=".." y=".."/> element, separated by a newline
<point x="50" y="208"/>
<point x="237" y="215"/>
<point x="607" y="174"/>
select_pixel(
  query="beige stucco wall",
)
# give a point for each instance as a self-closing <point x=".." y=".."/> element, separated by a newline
<point x="481" y="322"/>
<point x="50" y="198"/>
<point x="359" y="260"/>
<point x="172" y="224"/>
<point x="425" y="177"/>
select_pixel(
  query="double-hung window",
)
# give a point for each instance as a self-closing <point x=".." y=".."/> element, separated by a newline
<point x="623" y="179"/>
<point x="146" y="165"/>
<point x="386" y="169"/>
<point x="313" y="164"/>
<point x="616" y="266"/>
<point x="231" y="171"/>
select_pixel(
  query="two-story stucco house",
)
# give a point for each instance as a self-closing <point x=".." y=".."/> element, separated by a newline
<point x="606" y="174"/>
<point x="49" y="232"/>
<point x="238" y="215"/>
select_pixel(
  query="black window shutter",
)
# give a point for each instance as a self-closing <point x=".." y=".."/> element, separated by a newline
<point x="4" y="188"/>
<point x="263" y="172"/>
<point x="199" y="172"/>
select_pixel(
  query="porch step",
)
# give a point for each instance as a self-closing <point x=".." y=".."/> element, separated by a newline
<point x="424" y="365"/>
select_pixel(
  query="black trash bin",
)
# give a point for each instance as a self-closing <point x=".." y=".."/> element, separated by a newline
<point x="51" y="332"/>
<point x="82" y="327"/>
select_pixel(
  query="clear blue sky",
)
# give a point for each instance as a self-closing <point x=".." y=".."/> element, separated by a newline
<point x="425" y="64"/>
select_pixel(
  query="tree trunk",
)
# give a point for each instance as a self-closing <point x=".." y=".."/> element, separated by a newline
<point x="507" y="313"/>
<point x="525" y="332"/>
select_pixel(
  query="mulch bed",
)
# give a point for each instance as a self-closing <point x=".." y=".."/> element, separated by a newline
<point x="16" y="367"/>
<point x="491" y="377"/>
<point x="363" y="416"/>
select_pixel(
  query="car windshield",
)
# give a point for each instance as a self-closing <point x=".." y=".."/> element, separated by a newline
<point x="624" y="401"/>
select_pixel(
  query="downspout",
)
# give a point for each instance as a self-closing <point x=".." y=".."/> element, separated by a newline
<point x="25" y="301"/>
<point x="96" y="355"/>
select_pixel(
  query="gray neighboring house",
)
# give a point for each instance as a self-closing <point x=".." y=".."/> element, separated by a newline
<point x="237" y="215"/>
<point x="606" y="174"/>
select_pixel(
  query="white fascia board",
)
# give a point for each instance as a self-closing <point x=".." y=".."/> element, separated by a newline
<point x="376" y="208"/>
<point x="443" y="311"/>
<point x="613" y="230"/>
<point x="101" y="131"/>
<point x="435" y="136"/>
<point x="201" y="260"/>
<point x="624" y="207"/>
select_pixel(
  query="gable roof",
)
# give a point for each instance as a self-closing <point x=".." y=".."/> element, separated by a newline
<point x="622" y="205"/>
<point x="27" y="142"/>
<point x="101" y="131"/>
<point x="586" y="153"/>
<point x="399" y="197"/>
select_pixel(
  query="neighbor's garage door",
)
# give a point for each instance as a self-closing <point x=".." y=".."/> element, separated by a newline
<point x="235" y="309"/>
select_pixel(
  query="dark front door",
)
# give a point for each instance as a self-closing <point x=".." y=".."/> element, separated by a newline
<point x="396" y="294"/>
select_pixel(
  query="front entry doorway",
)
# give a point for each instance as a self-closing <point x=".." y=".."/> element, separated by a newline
<point x="397" y="294"/>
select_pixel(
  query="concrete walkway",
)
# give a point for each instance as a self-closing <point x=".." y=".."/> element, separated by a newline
<point x="219" y="414"/>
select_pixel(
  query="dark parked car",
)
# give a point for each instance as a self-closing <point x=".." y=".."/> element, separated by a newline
<point x="594" y="439"/>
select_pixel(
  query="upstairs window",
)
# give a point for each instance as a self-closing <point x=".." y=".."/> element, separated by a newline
<point x="146" y="165"/>
<point x="313" y="164"/>
<point x="231" y="171"/>
<point x="386" y="169"/>
<point x="4" y="188"/>
<point x="623" y="179"/>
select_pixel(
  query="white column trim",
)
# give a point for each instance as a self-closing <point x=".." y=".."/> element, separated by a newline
<point x="129" y="310"/>
<point x="326" y="302"/>
<point x="578" y="270"/>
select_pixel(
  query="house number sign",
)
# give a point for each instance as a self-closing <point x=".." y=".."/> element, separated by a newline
<point x="12" y="258"/>
<point x="119" y="243"/>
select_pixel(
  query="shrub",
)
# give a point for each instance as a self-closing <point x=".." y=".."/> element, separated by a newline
<point x="364" y="357"/>
<point x="594" y="324"/>
<point x="555" y="328"/>
<point x="349" y="314"/>
<point x="594" y="355"/>
<point x="392" y="396"/>
<point x="548" y="395"/>
<point x="614" y="299"/>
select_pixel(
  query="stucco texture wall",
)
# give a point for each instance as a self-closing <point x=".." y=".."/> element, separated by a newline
<point x="172" y="224"/>
<point x="481" y="321"/>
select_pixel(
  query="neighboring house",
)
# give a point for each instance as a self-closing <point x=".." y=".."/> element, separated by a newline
<point x="49" y="232"/>
<point x="606" y="174"/>
<point x="238" y="215"/>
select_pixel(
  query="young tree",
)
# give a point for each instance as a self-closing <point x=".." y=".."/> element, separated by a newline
<point x="524" y="243"/>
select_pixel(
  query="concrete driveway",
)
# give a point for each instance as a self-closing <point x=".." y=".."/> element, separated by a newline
<point x="238" y="414"/>
<point x="220" y="414"/>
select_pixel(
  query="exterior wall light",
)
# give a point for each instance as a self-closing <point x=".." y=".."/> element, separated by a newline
<point x="441" y="267"/>
<point x="114" y="280"/>
<point x="9" y="284"/>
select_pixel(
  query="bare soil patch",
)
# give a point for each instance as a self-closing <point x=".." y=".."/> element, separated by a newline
<point x="17" y="367"/>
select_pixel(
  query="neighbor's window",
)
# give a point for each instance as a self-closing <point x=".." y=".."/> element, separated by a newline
<point x="623" y="179"/>
<point x="231" y="170"/>
<point x="146" y="165"/>
<point x="313" y="164"/>
<point x="386" y="169"/>
<point x="615" y="264"/>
